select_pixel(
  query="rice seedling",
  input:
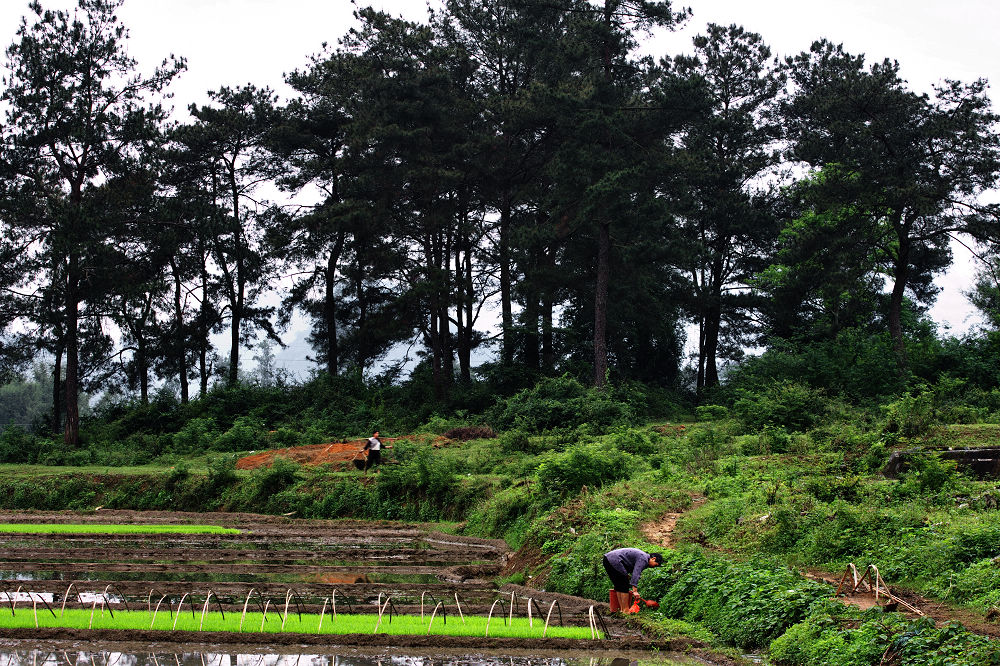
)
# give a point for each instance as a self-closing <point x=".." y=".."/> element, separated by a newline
<point x="272" y="621"/>
<point x="60" y="528"/>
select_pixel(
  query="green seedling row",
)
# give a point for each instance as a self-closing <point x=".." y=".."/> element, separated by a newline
<point x="277" y="622"/>
<point x="26" y="528"/>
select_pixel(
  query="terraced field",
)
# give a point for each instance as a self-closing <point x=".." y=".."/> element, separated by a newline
<point x="277" y="565"/>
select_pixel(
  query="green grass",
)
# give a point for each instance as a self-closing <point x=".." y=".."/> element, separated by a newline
<point x="254" y="622"/>
<point x="54" y="528"/>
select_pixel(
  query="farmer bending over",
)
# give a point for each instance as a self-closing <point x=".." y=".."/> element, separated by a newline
<point x="624" y="567"/>
<point x="374" y="448"/>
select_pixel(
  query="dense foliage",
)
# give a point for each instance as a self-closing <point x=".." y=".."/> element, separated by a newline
<point x="518" y="159"/>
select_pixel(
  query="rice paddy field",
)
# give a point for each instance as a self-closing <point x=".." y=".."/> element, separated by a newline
<point x="96" y="528"/>
<point x="247" y="578"/>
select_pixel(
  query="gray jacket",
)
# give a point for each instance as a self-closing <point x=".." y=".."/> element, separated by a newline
<point x="629" y="561"/>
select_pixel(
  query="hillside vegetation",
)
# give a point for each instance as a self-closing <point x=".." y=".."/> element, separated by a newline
<point x="770" y="483"/>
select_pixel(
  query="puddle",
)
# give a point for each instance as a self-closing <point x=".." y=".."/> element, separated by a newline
<point x="345" y="657"/>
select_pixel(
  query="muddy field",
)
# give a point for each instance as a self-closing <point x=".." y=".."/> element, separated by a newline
<point x="362" y="562"/>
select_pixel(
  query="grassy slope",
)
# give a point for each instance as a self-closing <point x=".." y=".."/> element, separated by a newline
<point x="806" y="500"/>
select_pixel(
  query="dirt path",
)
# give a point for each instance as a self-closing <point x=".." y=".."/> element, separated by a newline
<point x="661" y="530"/>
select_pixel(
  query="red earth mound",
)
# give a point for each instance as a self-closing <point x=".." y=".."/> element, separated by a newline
<point x="313" y="454"/>
<point x="335" y="453"/>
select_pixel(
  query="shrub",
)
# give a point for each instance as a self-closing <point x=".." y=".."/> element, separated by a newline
<point x="747" y="604"/>
<point x="422" y="476"/>
<point x="634" y="441"/>
<point x="196" y="435"/>
<point x="711" y="412"/>
<point x="260" y="491"/>
<point x="506" y="515"/>
<point x="222" y="472"/>
<point x="16" y="445"/>
<point x="517" y="441"/>
<point x="558" y="402"/>
<point x="285" y="437"/>
<point x="246" y="434"/>
<point x="932" y="473"/>
<point x="788" y="405"/>
<point x="439" y="425"/>
<point x="566" y="473"/>
<point x="912" y="415"/>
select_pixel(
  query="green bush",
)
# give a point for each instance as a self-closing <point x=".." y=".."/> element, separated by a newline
<point x="559" y="402"/>
<point x="195" y="436"/>
<point x="842" y="635"/>
<point x="562" y="474"/>
<point x="932" y="474"/>
<point x="285" y="438"/>
<point x="505" y="515"/>
<point x="260" y="492"/>
<point x="912" y="415"/>
<point x="743" y="603"/>
<point x="246" y="434"/>
<point x="711" y="412"/>
<point x="517" y="441"/>
<point x="222" y="472"/>
<point x="422" y="476"/>
<point x="788" y="405"/>
<point x="634" y="441"/>
<point x="16" y="445"/>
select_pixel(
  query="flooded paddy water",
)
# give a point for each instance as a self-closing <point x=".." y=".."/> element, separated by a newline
<point x="208" y="656"/>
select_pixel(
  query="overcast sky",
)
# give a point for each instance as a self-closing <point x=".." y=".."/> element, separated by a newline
<point x="234" y="42"/>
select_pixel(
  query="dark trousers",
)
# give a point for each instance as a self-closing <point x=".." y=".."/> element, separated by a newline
<point x="619" y="580"/>
<point x="374" y="458"/>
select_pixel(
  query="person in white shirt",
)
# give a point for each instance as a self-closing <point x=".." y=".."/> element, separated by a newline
<point x="374" y="448"/>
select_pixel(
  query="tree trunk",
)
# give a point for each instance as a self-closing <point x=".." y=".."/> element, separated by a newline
<point x="469" y="319"/>
<point x="141" y="362"/>
<point x="240" y="279"/>
<point x="72" y="430"/>
<point x="359" y="285"/>
<point x="548" y="303"/>
<point x="713" y="324"/>
<point x="507" y="313"/>
<point x="900" y="279"/>
<point x="700" y="381"/>
<point x="203" y="328"/>
<point x="330" y="308"/>
<point x="57" y="391"/>
<point x="180" y="354"/>
<point x="601" y="305"/>
<point x="463" y="299"/>
<point x="234" y="337"/>
<point x="530" y="356"/>
<point x="444" y="299"/>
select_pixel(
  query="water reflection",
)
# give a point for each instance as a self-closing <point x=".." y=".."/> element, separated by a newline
<point x="112" y="658"/>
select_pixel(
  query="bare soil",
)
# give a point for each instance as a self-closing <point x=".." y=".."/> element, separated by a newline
<point x="336" y="454"/>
